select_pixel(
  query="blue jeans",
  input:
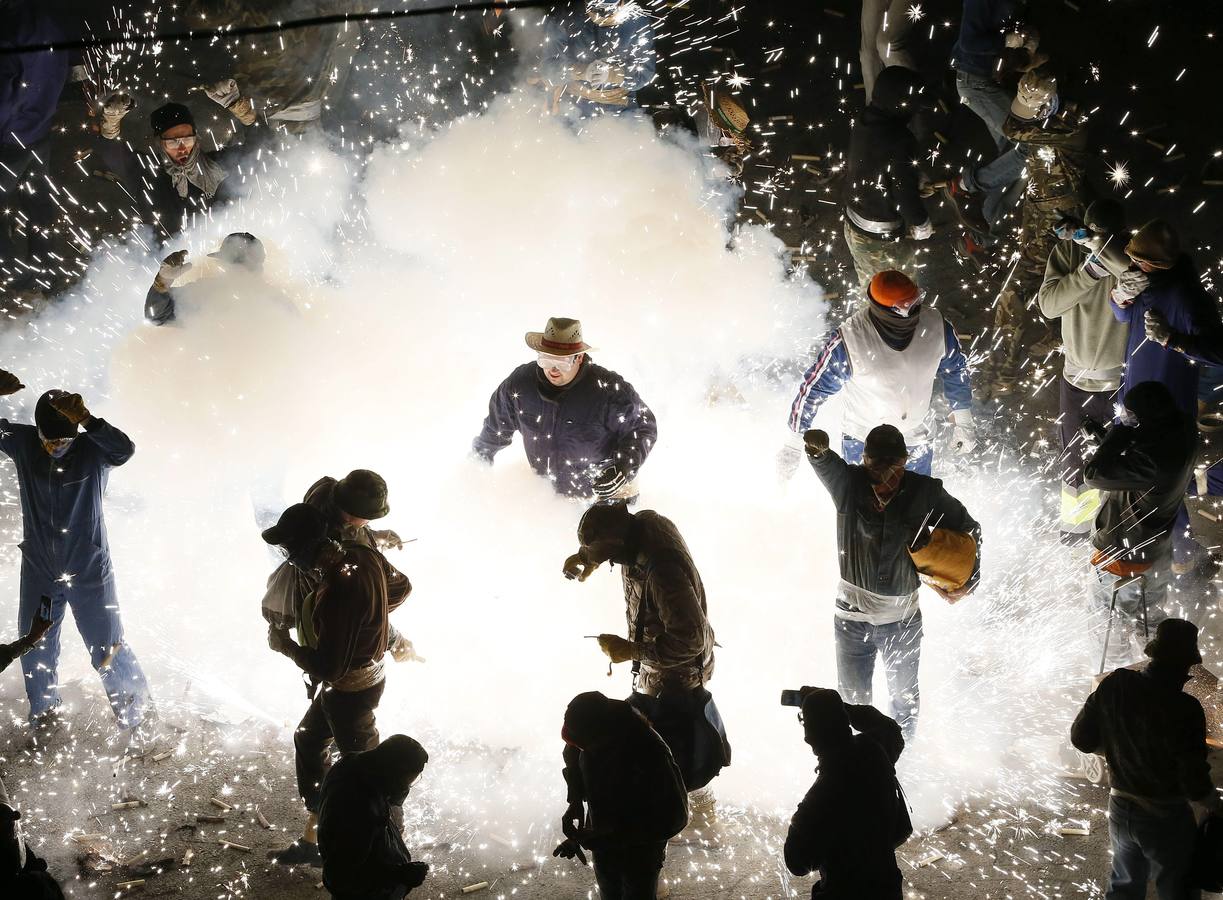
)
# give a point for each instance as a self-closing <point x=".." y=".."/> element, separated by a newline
<point x="1152" y="842"/>
<point x="96" y="612"/>
<point x="988" y="100"/>
<point x="921" y="456"/>
<point x="900" y="646"/>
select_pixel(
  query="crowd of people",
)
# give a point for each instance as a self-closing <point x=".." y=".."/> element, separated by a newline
<point x="1126" y="306"/>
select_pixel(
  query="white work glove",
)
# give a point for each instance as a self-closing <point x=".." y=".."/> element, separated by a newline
<point x="115" y="106"/>
<point x="1013" y="40"/>
<point x="401" y="649"/>
<point x="963" y="432"/>
<point x="788" y="459"/>
<point x="223" y="92"/>
<point x="603" y="72"/>
<point x="921" y="232"/>
<point x="172" y="268"/>
<point x="1130" y="284"/>
<point x="1157" y="327"/>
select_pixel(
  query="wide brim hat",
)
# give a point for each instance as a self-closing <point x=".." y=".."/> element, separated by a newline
<point x="362" y="494"/>
<point x="1175" y="642"/>
<point x="560" y="337"/>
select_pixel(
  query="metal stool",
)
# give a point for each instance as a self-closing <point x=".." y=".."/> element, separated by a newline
<point x="1122" y="584"/>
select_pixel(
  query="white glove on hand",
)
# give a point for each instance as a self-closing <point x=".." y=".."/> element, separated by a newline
<point x="401" y="649"/>
<point x="115" y="106"/>
<point x="788" y="460"/>
<point x="964" y="432"/>
<point x="223" y="92"/>
<point x="1130" y="284"/>
<point x="172" y="268"/>
<point x="922" y="232"/>
<point x="1157" y="327"/>
<point x="1013" y="40"/>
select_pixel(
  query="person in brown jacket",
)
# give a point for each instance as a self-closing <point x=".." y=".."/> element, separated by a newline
<point x="344" y="632"/>
<point x="670" y="640"/>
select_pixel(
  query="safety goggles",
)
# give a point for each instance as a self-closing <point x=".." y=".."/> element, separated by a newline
<point x="178" y="143"/>
<point x="565" y="364"/>
<point x="905" y="307"/>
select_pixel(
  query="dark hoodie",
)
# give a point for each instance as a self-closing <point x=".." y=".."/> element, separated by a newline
<point x="363" y="850"/>
<point x="1144" y="472"/>
<point x="881" y="184"/>
<point x="633" y="790"/>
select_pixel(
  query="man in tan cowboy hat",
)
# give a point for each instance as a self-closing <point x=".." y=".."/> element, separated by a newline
<point x="582" y="426"/>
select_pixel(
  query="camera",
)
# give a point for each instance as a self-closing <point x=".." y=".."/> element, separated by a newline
<point x="795" y="698"/>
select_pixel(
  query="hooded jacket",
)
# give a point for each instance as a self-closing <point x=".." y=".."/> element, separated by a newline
<point x="570" y="433"/>
<point x="63" y="531"/>
<point x="1144" y="473"/>
<point x="881" y="182"/>
<point x="667" y="614"/>
<point x="874" y="545"/>
<point x="846" y="825"/>
<point x="1192" y="313"/>
<point x="362" y="848"/>
<point x="1151" y="732"/>
<point x="633" y="790"/>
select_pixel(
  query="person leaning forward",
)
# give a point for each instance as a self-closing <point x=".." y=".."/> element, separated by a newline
<point x="345" y="634"/>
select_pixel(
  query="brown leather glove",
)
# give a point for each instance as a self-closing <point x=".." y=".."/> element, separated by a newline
<point x="71" y="407"/>
<point x="816" y="441"/>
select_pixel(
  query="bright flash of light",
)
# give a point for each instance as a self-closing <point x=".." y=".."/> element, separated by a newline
<point x="1119" y="174"/>
<point x="915" y="13"/>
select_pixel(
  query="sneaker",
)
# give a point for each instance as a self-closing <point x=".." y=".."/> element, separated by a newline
<point x="298" y="853"/>
<point x="48" y="729"/>
<point x="966" y="206"/>
<point x="969" y="249"/>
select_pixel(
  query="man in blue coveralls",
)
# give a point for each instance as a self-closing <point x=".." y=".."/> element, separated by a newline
<point x="62" y="474"/>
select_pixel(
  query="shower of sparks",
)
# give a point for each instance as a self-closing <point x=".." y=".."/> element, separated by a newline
<point x="1119" y="174"/>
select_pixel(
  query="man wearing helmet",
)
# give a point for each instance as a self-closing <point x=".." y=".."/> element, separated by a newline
<point x="886" y="357"/>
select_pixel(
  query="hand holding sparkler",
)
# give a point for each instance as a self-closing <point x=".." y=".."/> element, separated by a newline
<point x="1157" y="327"/>
<point x="616" y="648"/>
<point x="577" y="567"/>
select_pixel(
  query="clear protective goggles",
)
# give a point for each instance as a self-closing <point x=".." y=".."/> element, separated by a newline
<point x="185" y="143"/>
<point x="565" y="364"/>
<point x="905" y="307"/>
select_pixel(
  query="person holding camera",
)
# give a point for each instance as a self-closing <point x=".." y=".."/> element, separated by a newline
<point x="1079" y="276"/>
<point x="853" y="818"/>
<point x="670" y="642"/>
<point x="626" y="796"/>
<point x="884" y="515"/>
<point x="344" y="635"/>
<point x="62" y="473"/>
<point x="364" y="856"/>
<point x="1153" y="735"/>
<point x="1142" y="466"/>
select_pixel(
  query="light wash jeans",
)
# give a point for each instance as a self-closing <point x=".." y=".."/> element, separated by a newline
<point x="899" y="643"/>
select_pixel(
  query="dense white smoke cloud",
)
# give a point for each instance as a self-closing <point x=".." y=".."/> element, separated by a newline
<point x="393" y="303"/>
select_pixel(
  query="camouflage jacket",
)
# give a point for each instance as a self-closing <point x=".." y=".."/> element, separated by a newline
<point x="1056" y="151"/>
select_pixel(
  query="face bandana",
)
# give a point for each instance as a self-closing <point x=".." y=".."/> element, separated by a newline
<point x="199" y="169"/>
<point x="895" y="329"/>
<point x="888" y="484"/>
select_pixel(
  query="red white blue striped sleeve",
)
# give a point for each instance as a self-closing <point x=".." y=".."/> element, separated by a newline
<point x="825" y="377"/>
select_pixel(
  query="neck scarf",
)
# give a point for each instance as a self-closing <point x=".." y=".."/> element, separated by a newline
<point x="886" y="489"/>
<point x="896" y="331"/>
<point x="200" y="169"/>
